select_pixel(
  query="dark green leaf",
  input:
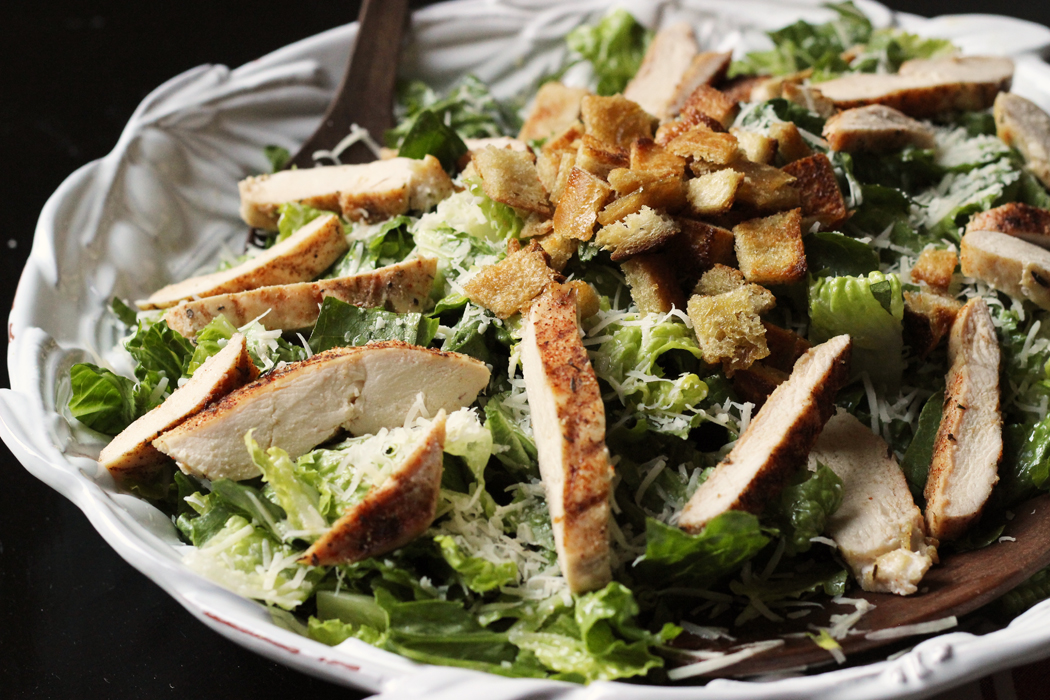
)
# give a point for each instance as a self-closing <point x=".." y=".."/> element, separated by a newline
<point x="916" y="461"/>
<point x="101" y="400"/>
<point x="431" y="136"/>
<point x="341" y="325"/>
<point x="477" y="574"/>
<point x="676" y="557"/>
<point x="277" y="155"/>
<point x="831" y="254"/>
<point x="159" y="349"/>
<point x="123" y="312"/>
<point x="248" y="501"/>
<point x="805" y="505"/>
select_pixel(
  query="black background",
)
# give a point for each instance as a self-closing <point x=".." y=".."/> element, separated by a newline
<point x="75" y="619"/>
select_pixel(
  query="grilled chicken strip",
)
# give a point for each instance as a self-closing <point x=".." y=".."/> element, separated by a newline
<point x="302" y="256"/>
<point x="132" y="452"/>
<point x="1009" y="264"/>
<point x="670" y="54"/>
<point x="706" y="68"/>
<point x="878" y="528"/>
<point x="393" y="513"/>
<point x="925" y="88"/>
<point x="876" y="128"/>
<point x="359" y="389"/>
<point x="568" y="420"/>
<point x="1024" y="125"/>
<point x="369" y="192"/>
<point x="969" y="441"/>
<point x="401" y="288"/>
<point x="777" y="440"/>
<point x="1024" y="221"/>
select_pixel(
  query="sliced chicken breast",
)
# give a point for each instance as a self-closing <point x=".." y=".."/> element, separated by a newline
<point x="670" y="54"/>
<point x="1024" y="125"/>
<point x="401" y="288"/>
<point x="302" y="256"/>
<point x="568" y="420"/>
<point x="878" y="528"/>
<point x="1009" y="264"/>
<point x="1024" y="221"/>
<point x="369" y="192"/>
<point x="359" y="389"/>
<point x="777" y="440"/>
<point x="876" y="128"/>
<point x="925" y="88"/>
<point x="132" y="451"/>
<point x="969" y="441"/>
<point x="393" y="513"/>
<point x="706" y="68"/>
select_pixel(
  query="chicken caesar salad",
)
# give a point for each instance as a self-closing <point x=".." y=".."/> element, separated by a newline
<point x="550" y="386"/>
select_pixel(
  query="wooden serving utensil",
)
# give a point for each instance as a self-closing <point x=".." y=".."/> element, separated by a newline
<point x="366" y="94"/>
<point x="960" y="584"/>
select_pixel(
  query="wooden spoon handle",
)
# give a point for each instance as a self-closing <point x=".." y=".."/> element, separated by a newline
<point x="366" y="94"/>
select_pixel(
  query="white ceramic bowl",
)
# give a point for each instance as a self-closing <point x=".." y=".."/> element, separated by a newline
<point x="165" y="201"/>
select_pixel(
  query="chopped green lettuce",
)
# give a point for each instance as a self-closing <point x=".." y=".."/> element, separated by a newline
<point x="103" y="400"/>
<point x="614" y="47"/>
<point x="805" y="505"/>
<point x="431" y="136"/>
<point x="832" y="254"/>
<point x="476" y="573"/>
<point x="869" y="309"/>
<point x="917" y="458"/>
<point x="344" y="325"/>
<point x="469" y="109"/>
<point x="298" y="498"/>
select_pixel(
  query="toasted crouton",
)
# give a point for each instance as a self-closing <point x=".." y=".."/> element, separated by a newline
<point x="561" y="181"/>
<point x="600" y="158"/>
<point x="667" y="193"/>
<point x="636" y="233"/>
<point x="819" y="191"/>
<point x="654" y="288"/>
<point x="559" y="248"/>
<point x="536" y="225"/>
<point x="615" y="120"/>
<point x="697" y="247"/>
<point x="719" y="280"/>
<point x="511" y="284"/>
<point x="757" y="382"/>
<point x="671" y="130"/>
<point x="770" y="249"/>
<point x="588" y="302"/>
<point x="790" y="144"/>
<point x="700" y="143"/>
<point x="510" y="177"/>
<point x="714" y="103"/>
<point x="756" y="146"/>
<point x="625" y="180"/>
<point x="809" y="97"/>
<point x="766" y="188"/>
<point x="928" y="318"/>
<point x="935" y="268"/>
<point x="728" y="328"/>
<point x="1024" y="221"/>
<point x="649" y="156"/>
<point x="578" y="207"/>
<point x="555" y="108"/>
<point x="785" y="347"/>
<point x="713" y="193"/>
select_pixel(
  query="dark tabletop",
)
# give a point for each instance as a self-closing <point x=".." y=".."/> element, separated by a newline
<point x="75" y="619"/>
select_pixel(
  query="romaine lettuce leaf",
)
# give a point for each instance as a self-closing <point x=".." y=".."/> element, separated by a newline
<point x="298" y="498"/>
<point x="804" y="506"/>
<point x="917" y="458"/>
<point x="431" y="136"/>
<point x="614" y="47"/>
<point x="476" y="573"/>
<point x="469" y="109"/>
<point x="673" y="557"/>
<point x="344" y="325"/>
<point x="870" y="310"/>
<point x="832" y="254"/>
<point x="102" y="400"/>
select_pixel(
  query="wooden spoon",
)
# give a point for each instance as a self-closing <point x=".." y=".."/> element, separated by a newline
<point x="366" y="94"/>
<point x="960" y="584"/>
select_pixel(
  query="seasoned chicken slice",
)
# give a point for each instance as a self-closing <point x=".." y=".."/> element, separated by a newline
<point x="669" y="56"/>
<point x="393" y="513"/>
<point x="132" y="452"/>
<point x="876" y="128"/>
<point x="925" y="88"/>
<point x="1024" y="221"/>
<point x="878" y="528"/>
<point x="401" y="288"/>
<point x="1009" y="264"/>
<point x="969" y="441"/>
<point x="568" y="420"/>
<point x="706" y="68"/>
<point x="359" y="389"/>
<point x="777" y="440"/>
<point x="369" y="192"/>
<point x="1024" y="125"/>
<point x="302" y="256"/>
